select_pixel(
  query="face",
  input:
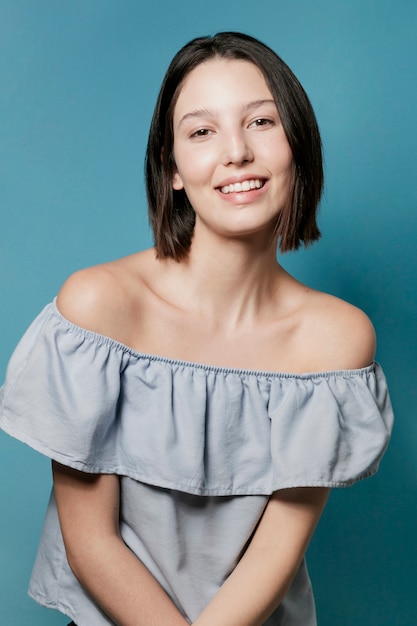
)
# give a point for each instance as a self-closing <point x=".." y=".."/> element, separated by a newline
<point x="232" y="156"/>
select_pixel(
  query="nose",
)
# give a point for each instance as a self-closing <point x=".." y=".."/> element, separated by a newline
<point x="236" y="149"/>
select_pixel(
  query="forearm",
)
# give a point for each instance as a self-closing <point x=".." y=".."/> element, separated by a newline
<point x="122" y="586"/>
<point x="263" y="576"/>
<point x="251" y="593"/>
<point x="88" y="509"/>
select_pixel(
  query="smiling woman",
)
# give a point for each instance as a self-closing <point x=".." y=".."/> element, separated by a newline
<point x="196" y="400"/>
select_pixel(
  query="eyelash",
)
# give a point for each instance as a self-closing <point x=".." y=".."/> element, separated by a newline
<point x="261" y="121"/>
<point x="258" y="123"/>
<point x="201" y="132"/>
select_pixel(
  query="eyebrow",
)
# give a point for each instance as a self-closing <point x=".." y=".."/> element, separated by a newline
<point x="198" y="113"/>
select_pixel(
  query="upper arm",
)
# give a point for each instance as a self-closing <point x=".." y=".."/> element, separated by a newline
<point x="88" y="508"/>
<point x="87" y="503"/>
<point x="289" y="520"/>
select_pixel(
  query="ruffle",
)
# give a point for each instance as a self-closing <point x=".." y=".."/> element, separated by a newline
<point x="98" y="406"/>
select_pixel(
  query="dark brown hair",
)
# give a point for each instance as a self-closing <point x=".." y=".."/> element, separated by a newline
<point x="171" y="214"/>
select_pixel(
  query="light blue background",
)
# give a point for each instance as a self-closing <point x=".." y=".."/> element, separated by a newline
<point x="78" y="84"/>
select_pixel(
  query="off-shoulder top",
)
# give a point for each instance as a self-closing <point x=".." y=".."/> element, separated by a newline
<point x="199" y="450"/>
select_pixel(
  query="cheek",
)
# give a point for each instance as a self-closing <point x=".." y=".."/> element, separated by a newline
<point x="194" y="167"/>
<point x="278" y="154"/>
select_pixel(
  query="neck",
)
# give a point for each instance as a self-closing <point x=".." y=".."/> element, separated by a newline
<point x="231" y="284"/>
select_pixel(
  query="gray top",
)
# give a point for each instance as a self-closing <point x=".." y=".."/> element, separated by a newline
<point x="199" y="449"/>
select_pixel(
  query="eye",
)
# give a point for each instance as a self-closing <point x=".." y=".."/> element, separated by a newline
<point x="261" y="121"/>
<point x="201" y="132"/>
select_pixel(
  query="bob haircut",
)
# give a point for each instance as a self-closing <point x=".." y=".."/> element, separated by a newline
<point x="171" y="215"/>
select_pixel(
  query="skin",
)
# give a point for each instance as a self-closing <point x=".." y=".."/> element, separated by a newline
<point x="230" y="303"/>
<point x="224" y="117"/>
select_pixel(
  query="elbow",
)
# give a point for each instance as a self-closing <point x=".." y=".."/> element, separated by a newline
<point x="86" y="557"/>
<point x="78" y="560"/>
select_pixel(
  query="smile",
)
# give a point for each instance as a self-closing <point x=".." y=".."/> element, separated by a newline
<point x="245" y="185"/>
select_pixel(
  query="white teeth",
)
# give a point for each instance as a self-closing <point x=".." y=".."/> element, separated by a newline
<point x="246" y="185"/>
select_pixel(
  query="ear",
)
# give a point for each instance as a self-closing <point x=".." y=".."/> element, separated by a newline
<point x="177" y="182"/>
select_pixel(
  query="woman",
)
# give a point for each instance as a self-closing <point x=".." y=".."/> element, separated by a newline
<point x="198" y="402"/>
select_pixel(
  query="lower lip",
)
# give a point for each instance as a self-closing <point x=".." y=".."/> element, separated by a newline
<point x="243" y="197"/>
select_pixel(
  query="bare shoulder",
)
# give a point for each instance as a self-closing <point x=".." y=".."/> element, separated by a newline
<point x="339" y="332"/>
<point x="103" y="298"/>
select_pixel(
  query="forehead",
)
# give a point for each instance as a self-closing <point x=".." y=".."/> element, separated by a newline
<point x="221" y="82"/>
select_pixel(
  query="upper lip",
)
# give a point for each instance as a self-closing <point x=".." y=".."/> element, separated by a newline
<point x="239" y="179"/>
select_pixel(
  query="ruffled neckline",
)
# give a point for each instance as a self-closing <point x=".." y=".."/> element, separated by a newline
<point x="94" y="404"/>
<point x="218" y="369"/>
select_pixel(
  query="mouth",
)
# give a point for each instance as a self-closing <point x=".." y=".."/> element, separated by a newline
<point x="245" y="185"/>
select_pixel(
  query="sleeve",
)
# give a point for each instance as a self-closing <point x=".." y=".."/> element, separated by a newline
<point x="330" y="430"/>
<point x="93" y="404"/>
<point x="61" y="392"/>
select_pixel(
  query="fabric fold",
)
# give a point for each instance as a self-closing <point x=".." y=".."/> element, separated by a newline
<point x="94" y="404"/>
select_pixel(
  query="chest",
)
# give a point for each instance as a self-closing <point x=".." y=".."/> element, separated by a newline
<point x="275" y="346"/>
